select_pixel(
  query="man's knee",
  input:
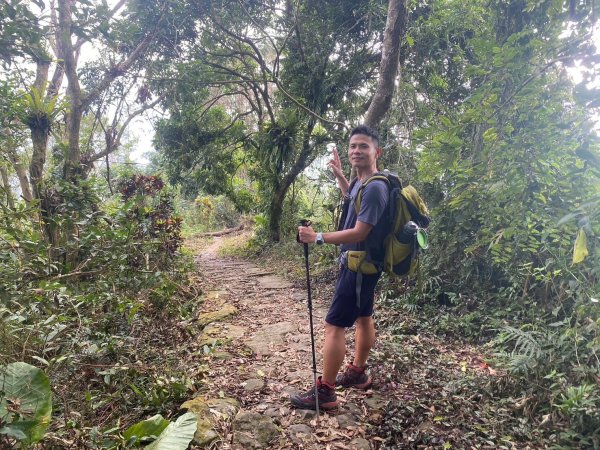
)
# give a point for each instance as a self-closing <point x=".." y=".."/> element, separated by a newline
<point x="333" y="330"/>
<point x="365" y="323"/>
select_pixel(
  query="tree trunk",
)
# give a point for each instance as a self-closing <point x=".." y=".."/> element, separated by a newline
<point x="280" y="191"/>
<point x="73" y="160"/>
<point x="395" y="28"/>
<point x="21" y="172"/>
<point x="10" y="200"/>
<point x="80" y="101"/>
<point x="39" y="132"/>
<point x="275" y="212"/>
<point x="39" y="139"/>
<point x="73" y="157"/>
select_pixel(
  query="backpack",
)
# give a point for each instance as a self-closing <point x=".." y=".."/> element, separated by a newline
<point x="400" y="249"/>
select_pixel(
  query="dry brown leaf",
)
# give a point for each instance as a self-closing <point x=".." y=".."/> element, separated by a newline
<point x="342" y="446"/>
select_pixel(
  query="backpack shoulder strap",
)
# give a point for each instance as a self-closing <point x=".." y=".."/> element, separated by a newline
<point x="351" y="185"/>
<point x="346" y="206"/>
<point x="374" y="177"/>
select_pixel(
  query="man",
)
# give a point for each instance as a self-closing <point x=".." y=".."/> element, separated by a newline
<point x="345" y="309"/>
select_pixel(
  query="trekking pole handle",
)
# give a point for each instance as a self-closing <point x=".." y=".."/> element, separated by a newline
<point x="303" y="223"/>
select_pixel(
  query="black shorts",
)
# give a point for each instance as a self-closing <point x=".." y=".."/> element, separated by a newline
<point x="343" y="311"/>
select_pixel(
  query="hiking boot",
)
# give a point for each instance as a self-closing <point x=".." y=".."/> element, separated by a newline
<point x="355" y="377"/>
<point x="327" y="398"/>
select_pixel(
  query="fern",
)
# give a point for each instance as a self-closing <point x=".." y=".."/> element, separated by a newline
<point x="526" y="343"/>
<point x="525" y="351"/>
<point x="38" y="112"/>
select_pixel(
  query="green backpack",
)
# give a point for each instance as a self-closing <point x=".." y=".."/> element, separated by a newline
<point x="401" y="247"/>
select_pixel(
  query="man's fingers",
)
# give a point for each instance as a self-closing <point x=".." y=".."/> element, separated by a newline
<point x="304" y="233"/>
<point x="336" y="156"/>
<point x="335" y="162"/>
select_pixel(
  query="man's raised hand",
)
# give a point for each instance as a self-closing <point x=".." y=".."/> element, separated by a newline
<point x="335" y="164"/>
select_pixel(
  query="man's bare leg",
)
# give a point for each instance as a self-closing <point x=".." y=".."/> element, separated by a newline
<point x="364" y="339"/>
<point x="334" y="352"/>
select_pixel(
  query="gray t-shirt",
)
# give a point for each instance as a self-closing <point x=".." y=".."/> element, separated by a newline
<point x="372" y="211"/>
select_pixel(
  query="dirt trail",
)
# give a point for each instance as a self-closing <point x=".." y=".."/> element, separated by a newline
<point x="261" y="353"/>
<point x="429" y="392"/>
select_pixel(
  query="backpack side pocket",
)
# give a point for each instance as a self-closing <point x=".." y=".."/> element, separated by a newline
<point x="397" y="256"/>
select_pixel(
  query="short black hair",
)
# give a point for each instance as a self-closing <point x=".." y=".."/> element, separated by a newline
<point x="367" y="131"/>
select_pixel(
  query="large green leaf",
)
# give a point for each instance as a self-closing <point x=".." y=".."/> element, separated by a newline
<point x="580" y="251"/>
<point x="14" y="432"/>
<point x="178" y="435"/>
<point x="146" y="428"/>
<point x="25" y="401"/>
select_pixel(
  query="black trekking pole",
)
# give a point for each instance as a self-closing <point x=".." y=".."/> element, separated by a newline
<point x="307" y="223"/>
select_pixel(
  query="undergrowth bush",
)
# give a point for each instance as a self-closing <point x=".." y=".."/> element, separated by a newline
<point x="81" y="311"/>
<point x="541" y="324"/>
<point x="557" y="365"/>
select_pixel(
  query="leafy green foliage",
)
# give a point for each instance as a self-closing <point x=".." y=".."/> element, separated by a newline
<point x="25" y="402"/>
<point x="145" y="429"/>
<point x="199" y="151"/>
<point x="39" y="113"/>
<point x="177" y="435"/>
<point x="155" y="219"/>
<point x="78" y="317"/>
<point x="562" y="359"/>
<point x="20" y="33"/>
<point x="286" y="99"/>
<point x="208" y="213"/>
<point x="278" y="143"/>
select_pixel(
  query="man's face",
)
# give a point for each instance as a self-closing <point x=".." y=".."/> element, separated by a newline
<point x="362" y="151"/>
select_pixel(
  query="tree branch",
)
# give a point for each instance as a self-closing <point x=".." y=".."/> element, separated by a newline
<point x="121" y="68"/>
<point x="307" y="109"/>
<point x="395" y="28"/>
<point x="114" y="145"/>
<point x="264" y="91"/>
<point x="532" y="77"/>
